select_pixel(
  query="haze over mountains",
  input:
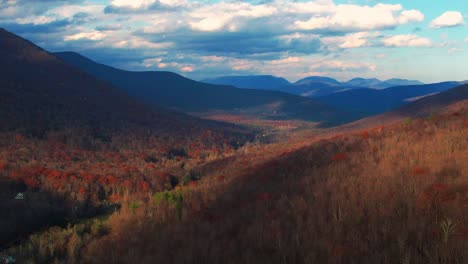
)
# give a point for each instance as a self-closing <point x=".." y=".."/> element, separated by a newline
<point x="369" y="102"/>
<point x="335" y="102"/>
<point x="262" y="82"/>
<point x="172" y="90"/>
<point x="313" y="86"/>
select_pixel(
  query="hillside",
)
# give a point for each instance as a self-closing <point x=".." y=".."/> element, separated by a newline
<point x="369" y="102"/>
<point x="427" y="107"/>
<point x="342" y="199"/>
<point x="172" y="90"/>
<point x="61" y="129"/>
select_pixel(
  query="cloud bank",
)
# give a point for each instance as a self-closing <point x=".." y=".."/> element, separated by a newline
<point x="206" y="38"/>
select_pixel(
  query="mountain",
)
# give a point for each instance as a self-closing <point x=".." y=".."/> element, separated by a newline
<point x="313" y="86"/>
<point x="316" y="89"/>
<point x="396" y="82"/>
<point x="318" y="79"/>
<point x="261" y="82"/>
<point x="172" y="90"/>
<point x="308" y="87"/>
<point x="316" y="86"/>
<point x="39" y="93"/>
<point x="433" y="104"/>
<point x="363" y="82"/>
<point x="378" y="84"/>
<point x="430" y="105"/>
<point x="369" y="102"/>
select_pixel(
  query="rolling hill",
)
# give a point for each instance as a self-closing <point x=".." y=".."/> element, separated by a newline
<point x="172" y="90"/>
<point x="426" y="107"/>
<point x="369" y="102"/>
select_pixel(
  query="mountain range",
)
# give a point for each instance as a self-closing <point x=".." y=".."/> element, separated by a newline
<point x="174" y="91"/>
<point x="261" y="82"/>
<point x="313" y="86"/>
<point x="426" y="107"/>
<point x="53" y="86"/>
<point x="369" y="102"/>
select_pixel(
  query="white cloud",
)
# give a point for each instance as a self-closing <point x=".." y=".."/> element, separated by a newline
<point x="455" y="50"/>
<point x="448" y="19"/>
<point x="408" y="16"/>
<point x="67" y="11"/>
<point x="35" y="20"/>
<point x="147" y="4"/>
<point x="133" y="3"/>
<point x="139" y="43"/>
<point x="288" y="60"/>
<point x="222" y="15"/>
<point x="407" y="41"/>
<point x="92" y="35"/>
<point x="354" y="40"/>
<point x="187" y="69"/>
<point x="380" y="56"/>
<point x="355" y="17"/>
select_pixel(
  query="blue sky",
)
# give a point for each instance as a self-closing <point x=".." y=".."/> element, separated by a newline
<point x="414" y="39"/>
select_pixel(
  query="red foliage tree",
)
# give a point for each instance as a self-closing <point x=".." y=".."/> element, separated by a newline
<point x="264" y="196"/>
<point x="339" y="156"/>
<point x="418" y="170"/>
<point x="32" y="182"/>
<point x="3" y="166"/>
<point x="143" y="186"/>
<point x="365" y="134"/>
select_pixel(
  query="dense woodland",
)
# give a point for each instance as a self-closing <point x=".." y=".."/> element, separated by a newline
<point x="380" y="195"/>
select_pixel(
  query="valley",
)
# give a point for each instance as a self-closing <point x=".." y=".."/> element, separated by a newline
<point x="104" y="165"/>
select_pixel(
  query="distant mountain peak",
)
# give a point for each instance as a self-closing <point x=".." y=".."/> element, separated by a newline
<point x="261" y="82"/>
<point x="318" y="79"/>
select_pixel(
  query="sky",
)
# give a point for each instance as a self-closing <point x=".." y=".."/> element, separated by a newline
<point x="425" y="40"/>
